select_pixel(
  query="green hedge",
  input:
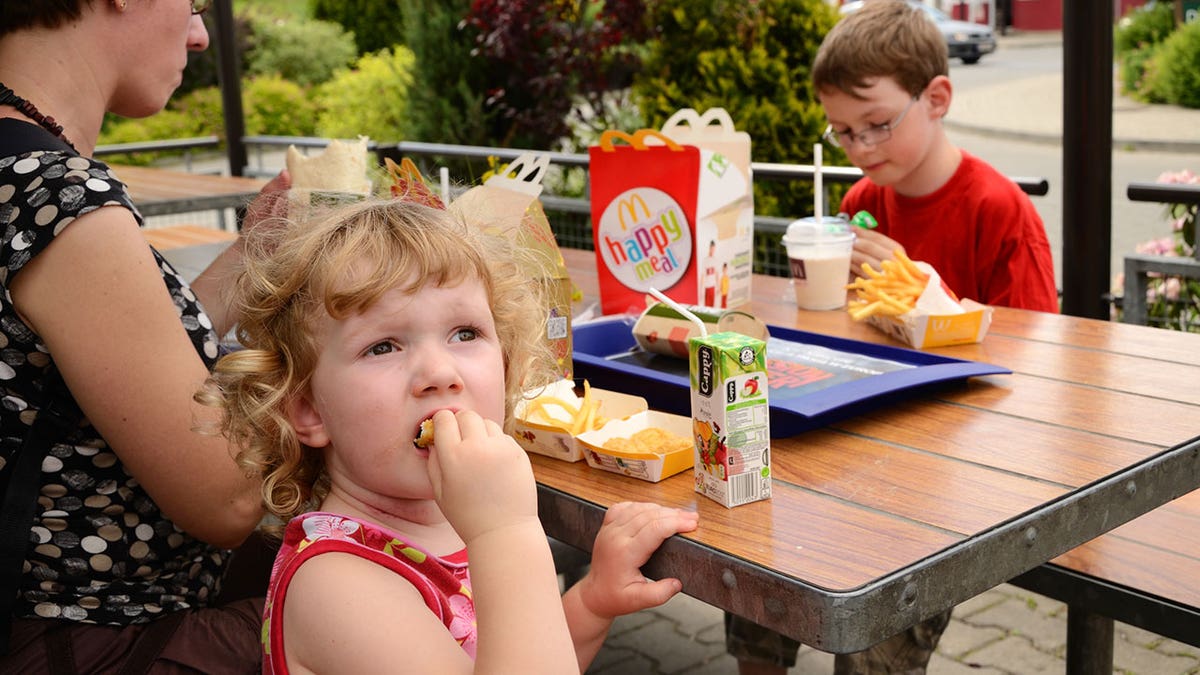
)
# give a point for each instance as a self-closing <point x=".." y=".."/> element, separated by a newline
<point x="754" y="60"/>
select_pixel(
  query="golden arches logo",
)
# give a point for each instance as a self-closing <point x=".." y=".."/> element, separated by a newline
<point x="630" y="206"/>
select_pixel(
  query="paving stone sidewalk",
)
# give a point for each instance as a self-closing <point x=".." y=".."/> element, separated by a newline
<point x="1005" y="631"/>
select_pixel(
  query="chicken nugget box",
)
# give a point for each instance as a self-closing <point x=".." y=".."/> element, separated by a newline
<point x="730" y="418"/>
<point x="551" y="434"/>
<point x="666" y="453"/>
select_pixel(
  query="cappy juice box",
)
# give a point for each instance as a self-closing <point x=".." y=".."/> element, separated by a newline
<point x="730" y="417"/>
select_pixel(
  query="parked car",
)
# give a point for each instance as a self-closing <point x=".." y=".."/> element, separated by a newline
<point x="965" y="40"/>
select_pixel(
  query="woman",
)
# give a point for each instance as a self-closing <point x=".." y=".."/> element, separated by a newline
<point x="136" y="511"/>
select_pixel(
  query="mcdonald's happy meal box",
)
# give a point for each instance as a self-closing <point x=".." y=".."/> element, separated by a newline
<point x="671" y="216"/>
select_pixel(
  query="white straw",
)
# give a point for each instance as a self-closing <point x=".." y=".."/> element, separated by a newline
<point x="679" y="308"/>
<point x="444" y="173"/>
<point x="818" y="185"/>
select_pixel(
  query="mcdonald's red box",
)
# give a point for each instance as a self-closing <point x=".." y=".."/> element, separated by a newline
<point x="671" y="217"/>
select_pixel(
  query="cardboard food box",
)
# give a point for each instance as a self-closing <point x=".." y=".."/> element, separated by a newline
<point x="676" y="216"/>
<point x="938" y="319"/>
<point x="663" y="330"/>
<point x="650" y="464"/>
<point x="921" y="329"/>
<point x="730" y="418"/>
<point x="507" y="204"/>
<point x="556" y="440"/>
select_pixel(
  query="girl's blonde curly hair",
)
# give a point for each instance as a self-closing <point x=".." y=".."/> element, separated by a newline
<point x="340" y="263"/>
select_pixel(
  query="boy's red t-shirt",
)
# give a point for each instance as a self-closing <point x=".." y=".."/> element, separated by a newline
<point x="979" y="231"/>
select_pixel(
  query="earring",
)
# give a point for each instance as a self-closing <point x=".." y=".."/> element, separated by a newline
<point x="120" y="5"/>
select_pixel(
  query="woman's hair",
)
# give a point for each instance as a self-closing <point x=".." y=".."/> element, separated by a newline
<point x="884" y="38"/>
<point x="17" y="15"/>
<point x="341" y="263"/>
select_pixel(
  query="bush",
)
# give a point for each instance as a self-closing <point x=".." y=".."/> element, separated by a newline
<point x="165" y="125"/>
<point x="1177" y="66"/>
<point x="371" y="99"/>
<point x="1143" y="26"/>
<point x="1139" y="75"/>
<point x="278" y="107"/>
<point x="376" y="24"/>
<point x="753" y="60"/>
<point x="301" y="50"/>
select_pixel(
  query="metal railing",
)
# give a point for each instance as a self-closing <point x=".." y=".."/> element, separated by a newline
<point x="185" y="144"/>
<point x="570" y="217"/>
<point x="1141" y="270"/>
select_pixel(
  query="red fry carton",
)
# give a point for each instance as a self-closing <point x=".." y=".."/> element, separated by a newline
<point x="938" y="319"/>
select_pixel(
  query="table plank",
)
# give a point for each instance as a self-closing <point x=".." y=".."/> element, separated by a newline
<point x="158" y="192"/>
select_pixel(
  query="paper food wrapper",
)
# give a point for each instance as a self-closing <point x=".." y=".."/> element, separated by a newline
<point x="337" y="173"/>
<point x="556" y="440"/>
<point x="507" y="204"/>
<point x="938" y="320"/>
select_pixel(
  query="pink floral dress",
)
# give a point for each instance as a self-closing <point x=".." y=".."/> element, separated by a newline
<point x="443" y="582"/>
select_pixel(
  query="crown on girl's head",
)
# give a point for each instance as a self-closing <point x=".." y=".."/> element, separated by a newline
<point x="409" y="185"/>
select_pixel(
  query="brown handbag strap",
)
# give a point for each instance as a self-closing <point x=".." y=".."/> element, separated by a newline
<point x="151" y="643"/>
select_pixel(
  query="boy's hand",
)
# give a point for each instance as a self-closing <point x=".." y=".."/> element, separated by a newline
<point x="482" y="479"/>
<point x="630" y="534"/>
<point x="872" y="248"/>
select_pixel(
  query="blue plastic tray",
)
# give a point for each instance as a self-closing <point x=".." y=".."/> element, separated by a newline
<point x="847" y="377"/>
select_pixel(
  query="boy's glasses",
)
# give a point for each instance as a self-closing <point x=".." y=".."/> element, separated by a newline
<point x="871" y="136"/>
<point x="201" y="6"/>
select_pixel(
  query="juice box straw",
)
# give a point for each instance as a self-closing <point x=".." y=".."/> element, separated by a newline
<point x="679" y="308"/>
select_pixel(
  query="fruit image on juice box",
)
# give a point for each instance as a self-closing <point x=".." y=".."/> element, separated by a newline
<point x="730" y="418"/>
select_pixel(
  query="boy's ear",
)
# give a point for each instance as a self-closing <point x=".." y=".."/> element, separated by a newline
<point x="939" y="92"/>
<point x="306" y="421"/>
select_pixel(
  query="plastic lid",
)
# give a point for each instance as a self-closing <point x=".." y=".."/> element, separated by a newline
<point x="807" y="231"/>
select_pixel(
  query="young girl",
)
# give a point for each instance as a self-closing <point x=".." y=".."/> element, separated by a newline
<point x="358" y="328"/>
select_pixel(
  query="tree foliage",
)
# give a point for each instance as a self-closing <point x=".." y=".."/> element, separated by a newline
<point x="753" y="58"/>
<point x="376" y="24"/>
<point x="548" y="57"/>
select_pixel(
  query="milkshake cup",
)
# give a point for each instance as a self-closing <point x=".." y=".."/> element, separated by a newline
<point x="819" y="257"/>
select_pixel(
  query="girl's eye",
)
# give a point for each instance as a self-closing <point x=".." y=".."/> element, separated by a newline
<point x="465" y="334"/>
<point x="381" y="348"/>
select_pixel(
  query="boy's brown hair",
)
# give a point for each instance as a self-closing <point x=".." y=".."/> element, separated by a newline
<point x="885" y="38"/>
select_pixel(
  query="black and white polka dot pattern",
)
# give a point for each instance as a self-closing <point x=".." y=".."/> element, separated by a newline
<point x="100" y="549"/>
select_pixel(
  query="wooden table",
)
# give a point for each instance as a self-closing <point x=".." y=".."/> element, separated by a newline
<point x="888" y="517"/>
<point x="158" y="192"/>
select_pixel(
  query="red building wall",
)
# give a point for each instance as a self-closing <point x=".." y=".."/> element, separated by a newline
<point x="1037" y="14"/>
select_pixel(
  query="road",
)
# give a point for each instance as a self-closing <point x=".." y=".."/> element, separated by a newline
<point x="1133" y="222"/>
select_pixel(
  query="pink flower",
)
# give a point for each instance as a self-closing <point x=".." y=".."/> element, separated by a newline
<point x="1171" y="292"/>
<point x="329" y="527"/>
<point x="462" y="626"/>
<point x="1160" y="246"/>
<point x="1184" y="177"/>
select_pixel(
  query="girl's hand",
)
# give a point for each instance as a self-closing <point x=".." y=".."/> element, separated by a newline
<point x="482" y="479"/>
<point x="872" y="248"/>
<point x="271" y="202"/>
<point x="630" y="534"/>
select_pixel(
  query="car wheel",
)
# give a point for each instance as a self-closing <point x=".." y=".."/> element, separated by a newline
<point x="970" y="60"/>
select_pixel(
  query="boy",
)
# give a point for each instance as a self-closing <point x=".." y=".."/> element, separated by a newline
<point x="881" y="75"/>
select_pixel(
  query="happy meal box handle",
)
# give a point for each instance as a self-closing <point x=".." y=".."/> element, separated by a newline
<point x="689" y="118"/>
<point x="524" y="174"/>
<point x="636" y="139"/>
